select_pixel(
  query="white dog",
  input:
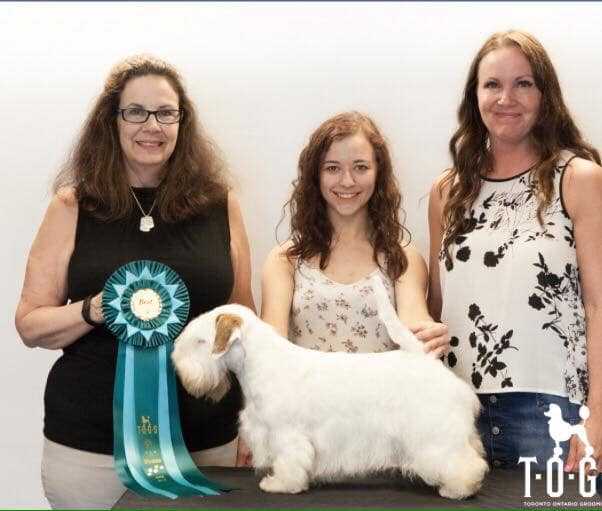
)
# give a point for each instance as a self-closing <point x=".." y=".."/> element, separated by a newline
<point x="313" y="416"/>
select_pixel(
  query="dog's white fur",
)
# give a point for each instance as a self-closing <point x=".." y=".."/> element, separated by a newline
<point x="313" y="416"/>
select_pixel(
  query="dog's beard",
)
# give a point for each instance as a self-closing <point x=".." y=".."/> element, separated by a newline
<point x="202" y="379"/>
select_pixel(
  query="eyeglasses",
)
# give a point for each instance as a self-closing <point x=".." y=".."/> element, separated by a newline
<point x="141" y="115"/>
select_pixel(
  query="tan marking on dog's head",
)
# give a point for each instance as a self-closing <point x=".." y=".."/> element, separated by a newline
<point x="224" y="324"/>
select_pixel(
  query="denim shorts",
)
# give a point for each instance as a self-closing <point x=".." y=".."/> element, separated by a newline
<point x="513" y="424"/>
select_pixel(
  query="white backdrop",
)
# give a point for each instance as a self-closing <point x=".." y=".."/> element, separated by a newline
<point x="263" y="76"/>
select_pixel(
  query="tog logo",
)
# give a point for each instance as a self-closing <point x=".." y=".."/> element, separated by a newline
<point x="561" y="431"/>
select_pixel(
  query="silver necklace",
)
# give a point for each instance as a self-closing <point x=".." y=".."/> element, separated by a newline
<point x="146" y="222"/>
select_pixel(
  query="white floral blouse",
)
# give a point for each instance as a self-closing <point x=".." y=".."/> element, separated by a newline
<point x="512" y="295"/>
<point x="329" y="316"/>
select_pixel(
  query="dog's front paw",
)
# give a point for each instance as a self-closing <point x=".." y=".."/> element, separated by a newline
<point x="459" y="491"/>
<point x="449" y="492"/>
<point x="272" y="484"/>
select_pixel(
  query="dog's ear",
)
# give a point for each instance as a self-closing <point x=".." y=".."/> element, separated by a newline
<point x="227" y="330"/>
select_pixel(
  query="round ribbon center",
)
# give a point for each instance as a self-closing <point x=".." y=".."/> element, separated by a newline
<point x="146" y="304"/>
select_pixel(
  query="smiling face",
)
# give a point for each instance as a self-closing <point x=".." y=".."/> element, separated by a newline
<point x="509" y="101"/>
<point x="348" y="176"/>
<point x="146" y="147"/>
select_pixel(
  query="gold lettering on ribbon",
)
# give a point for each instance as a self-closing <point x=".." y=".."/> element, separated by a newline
<point x="146" y="427"/>
<point x="153" y="463"/>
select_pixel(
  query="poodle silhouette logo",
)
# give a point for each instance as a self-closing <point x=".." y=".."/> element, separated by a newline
<point x="562" y="431"/>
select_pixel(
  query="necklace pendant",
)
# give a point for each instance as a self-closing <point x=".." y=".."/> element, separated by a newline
<point x="146" y="223"/>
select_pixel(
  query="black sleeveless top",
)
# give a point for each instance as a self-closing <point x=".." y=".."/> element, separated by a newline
<point x="79" y="392"/>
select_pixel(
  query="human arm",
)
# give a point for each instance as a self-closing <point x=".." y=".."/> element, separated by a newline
<point x="410" y="297"/>
<point x="277" y="286"/>
<point x="582" y="188"/>
<point x="44" y="318"/>
<point x="435" y="216"/>
<point x="240" y="255"/>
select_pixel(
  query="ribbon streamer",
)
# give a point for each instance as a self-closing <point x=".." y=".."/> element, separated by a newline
<point x="146" y="304"/>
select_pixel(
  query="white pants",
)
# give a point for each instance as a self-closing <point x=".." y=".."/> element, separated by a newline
<point x="74" y="479"/>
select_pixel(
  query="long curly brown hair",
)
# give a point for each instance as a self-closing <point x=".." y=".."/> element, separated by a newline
<point x="554" y="131"/>
<point x="311" y="229"/>
<point x="194" y="177"/>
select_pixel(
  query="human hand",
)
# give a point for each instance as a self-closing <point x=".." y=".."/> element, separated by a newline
<point x="593" y="429"/>
<point x="434" y="336"/>
<point x="244" y="457"/>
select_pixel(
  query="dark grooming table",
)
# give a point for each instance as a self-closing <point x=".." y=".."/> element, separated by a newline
<point x="502" y="489"/>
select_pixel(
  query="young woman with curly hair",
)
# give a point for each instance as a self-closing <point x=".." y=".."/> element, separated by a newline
<point x="345" y="227"/>
<point x="515" y="259"/>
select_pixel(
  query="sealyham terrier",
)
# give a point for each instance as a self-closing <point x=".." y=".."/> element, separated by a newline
<point x="311" y="416"/>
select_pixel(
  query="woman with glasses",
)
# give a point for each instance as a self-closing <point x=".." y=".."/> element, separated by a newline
<point x="515" y="259"/>
<point x="143" y="182"/>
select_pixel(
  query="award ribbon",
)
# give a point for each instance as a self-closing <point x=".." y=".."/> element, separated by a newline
<point x="146" y="304"/>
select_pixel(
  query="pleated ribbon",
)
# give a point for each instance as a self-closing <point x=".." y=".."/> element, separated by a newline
<point x="146" y="304"/>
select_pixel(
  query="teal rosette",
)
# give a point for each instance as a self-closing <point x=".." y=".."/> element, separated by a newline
<point x="146" y="305"/>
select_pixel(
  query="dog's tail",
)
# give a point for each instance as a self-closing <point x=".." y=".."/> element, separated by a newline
<point x="398" y="332"/>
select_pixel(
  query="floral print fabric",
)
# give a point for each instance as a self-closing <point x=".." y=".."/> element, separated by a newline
<point x="512" y="296"/>
<point x="329" y="316"/>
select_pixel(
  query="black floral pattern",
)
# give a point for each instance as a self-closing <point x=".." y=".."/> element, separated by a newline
<point x="570" y="236"/>
<point x="513" y="211"/>
<point x="552" y="293"/>
<point x="490" y="348"/>
<point x="510" y="286"/>
<point x="462" y="252"/>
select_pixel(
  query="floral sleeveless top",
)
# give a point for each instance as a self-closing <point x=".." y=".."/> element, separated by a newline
<point x="511" y="293"/>
<point x="329" y="316"/>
